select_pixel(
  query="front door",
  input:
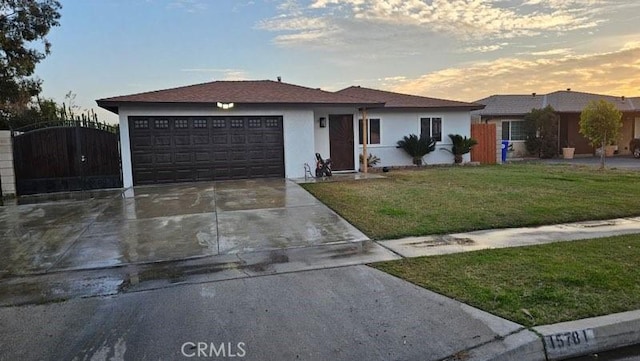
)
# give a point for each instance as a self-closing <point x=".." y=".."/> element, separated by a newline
<point x="341" y="141"/>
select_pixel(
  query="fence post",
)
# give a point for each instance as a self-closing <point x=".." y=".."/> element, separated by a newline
<point x="7" y="172"/>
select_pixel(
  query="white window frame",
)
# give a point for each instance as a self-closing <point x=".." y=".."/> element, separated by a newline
<point x="431" y="118"/>
<point x="510" y="121"/>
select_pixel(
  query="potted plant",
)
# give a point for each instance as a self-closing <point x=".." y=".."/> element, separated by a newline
<point x="417" y="147"/>
<point x="372" y="160"/>
<point x="460" y="146"/>
<point x="609" y="150"/>
<point x="568" y="151"/>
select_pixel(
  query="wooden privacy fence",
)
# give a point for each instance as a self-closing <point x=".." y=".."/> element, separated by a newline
<point x="485" y="151"/>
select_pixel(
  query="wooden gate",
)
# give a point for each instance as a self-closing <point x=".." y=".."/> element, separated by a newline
<point x="485" y="151"/>
<point x="66" y="156"/>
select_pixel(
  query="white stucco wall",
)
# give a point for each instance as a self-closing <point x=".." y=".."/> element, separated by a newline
<point x="298" y="127"/>
<point x="395" y="125"/>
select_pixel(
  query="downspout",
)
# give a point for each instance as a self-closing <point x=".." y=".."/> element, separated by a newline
<point x="365" y="131"/>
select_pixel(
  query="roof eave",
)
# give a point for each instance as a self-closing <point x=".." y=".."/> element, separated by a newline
<point x="111" y="104"/>
<point x="457" y="107"/>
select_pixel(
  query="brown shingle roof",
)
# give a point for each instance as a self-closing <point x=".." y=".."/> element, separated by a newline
<point x="397" y="100"/>
<point x="574" y="102"/>
<point x="563" y="101"/>
<point x="510" y="104"/>
<point x="247" y="92"/>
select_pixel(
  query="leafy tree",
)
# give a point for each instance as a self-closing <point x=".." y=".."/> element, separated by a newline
<point x="23" y="22"/>
<point x="416" y="147"/>
<point x="600" y="122"/>
<point x="542" y="132"/>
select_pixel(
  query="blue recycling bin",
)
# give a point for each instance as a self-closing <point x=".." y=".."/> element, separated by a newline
<point x="505" y="147"/>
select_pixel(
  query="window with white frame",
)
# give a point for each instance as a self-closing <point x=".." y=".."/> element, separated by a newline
<point x="431" y="127"/>
<point x="373" y="127"/>
<point x="514" y="130"/>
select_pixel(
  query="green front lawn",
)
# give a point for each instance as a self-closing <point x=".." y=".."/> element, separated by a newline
<point x="454" y="199"/>
<point x="536" y="285"/>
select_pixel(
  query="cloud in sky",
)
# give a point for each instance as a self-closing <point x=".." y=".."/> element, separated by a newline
<point x="342" y="21"/>
<point x="190" y="6"/>
<point x="614" y="73"/>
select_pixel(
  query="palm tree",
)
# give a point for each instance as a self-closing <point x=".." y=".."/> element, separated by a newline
<point x="461" y="146"/>
<point x="416" y="147"/>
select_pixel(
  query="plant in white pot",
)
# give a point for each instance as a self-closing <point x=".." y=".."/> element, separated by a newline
<point x="568" y="151"/>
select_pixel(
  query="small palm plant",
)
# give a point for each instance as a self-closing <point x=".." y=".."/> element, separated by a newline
<point x="461" y="146"/>
<point x="372" y="160"/>
<point x="417" y="147"/>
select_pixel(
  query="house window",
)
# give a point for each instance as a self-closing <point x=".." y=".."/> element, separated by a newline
<point x="431" y="127"/>
<point x="514" y="130"/>
<point x="374" y="131"/>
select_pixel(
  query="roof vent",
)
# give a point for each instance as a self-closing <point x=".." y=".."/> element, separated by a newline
<point x="279" y="79"/>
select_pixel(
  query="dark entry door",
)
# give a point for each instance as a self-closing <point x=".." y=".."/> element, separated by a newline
<point x="341" y="141"/>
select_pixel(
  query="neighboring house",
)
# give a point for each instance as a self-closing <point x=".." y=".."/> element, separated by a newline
<point x="508" y="111"/>
<point x="252" y="129"/>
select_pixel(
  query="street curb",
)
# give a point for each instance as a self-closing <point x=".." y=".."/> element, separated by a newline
<point x="590" y="335"/>
<point x="523" y="345"/>
<point x="563" y="340"/>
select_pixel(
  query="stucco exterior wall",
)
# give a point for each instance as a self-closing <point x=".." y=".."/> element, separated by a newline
<point x="298" y="128"/>
<point x="394" y="125"/>
<point x="7" y="174"/>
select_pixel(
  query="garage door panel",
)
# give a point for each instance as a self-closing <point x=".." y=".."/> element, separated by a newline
<point x="143" y="158"/>
<point x="238" y="139"/>
<point x="201" y="157"/>
<point x="182" y="140"/>
<point x="162" y="159"/>
<point x="182" y="149"/>
<point x="185" y="175"/>
<point x="201" y="140"/>
<point x="183" y="158"/>
<point x="143" y="141"/>
<point x="220" y="139"/>
<point x="162" y="140"/>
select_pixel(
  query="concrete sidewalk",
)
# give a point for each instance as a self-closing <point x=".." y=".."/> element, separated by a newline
<point x="563" y="340"/>
<point x="510" y="237"/>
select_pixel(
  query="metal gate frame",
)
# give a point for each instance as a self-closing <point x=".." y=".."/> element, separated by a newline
<point x="75" y="175"/>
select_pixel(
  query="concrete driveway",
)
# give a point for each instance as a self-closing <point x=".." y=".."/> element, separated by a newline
<point x="267" y="222"/>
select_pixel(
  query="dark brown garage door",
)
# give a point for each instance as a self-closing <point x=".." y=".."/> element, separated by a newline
<point x="185" y="149"/>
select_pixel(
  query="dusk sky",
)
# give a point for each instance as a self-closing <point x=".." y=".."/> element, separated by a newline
<point x="454" y="49"/>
